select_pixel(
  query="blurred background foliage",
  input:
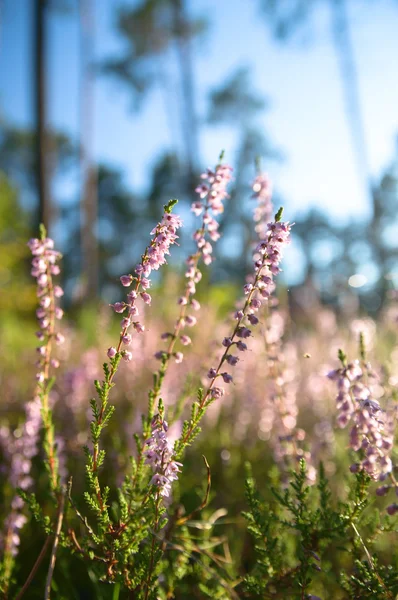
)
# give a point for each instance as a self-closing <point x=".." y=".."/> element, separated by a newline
<point x="101" y="222"/>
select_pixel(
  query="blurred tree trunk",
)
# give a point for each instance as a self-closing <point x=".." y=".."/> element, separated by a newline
<point x="45" y="213"/>
<point x="89" y="175"/>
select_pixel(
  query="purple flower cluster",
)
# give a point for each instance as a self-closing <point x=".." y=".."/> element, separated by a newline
<point x="267" y="257"/>
<point x="159" y="455"/>
<point x="279" y="417"/>
<point x="20" y="449"/>
<point x="164" y="235"/>
<point x="213" y="193"/>
<point x="262" y="191"/>
<point x="369" y="435"/>
<point x="44" y="267"/>
<point x="214" y="189"/>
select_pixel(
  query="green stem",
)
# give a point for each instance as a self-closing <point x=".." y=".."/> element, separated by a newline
<point x="116" y="591"/>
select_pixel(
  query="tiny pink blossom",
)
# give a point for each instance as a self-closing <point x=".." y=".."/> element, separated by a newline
<point x="146" y="297"/>
<point x="119" y="307"/>
<point x="126" y="280"/>
<point x="185" y="340"/>
<point x="58" y="291"/>
<point x="227" y="377"/>
<point x="59" y="338"/>
<point x="195" y="304"/>
<point x="126" y="339"/>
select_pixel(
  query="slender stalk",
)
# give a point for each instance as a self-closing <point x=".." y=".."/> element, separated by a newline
<point x="60" y="516"/>
<point x="47" y="420"/>
<point x="116" y="591"/>
<point x="151" y="564"/>
<point x="205" y="400"/>
<point x="34" y="569"/>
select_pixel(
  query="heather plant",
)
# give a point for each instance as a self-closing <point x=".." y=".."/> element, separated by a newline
<point x="314" y="520"/>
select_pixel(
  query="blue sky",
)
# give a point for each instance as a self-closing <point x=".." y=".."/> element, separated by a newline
<point x="306" y="118"/>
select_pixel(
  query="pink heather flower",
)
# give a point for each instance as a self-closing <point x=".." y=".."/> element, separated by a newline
<point x="18" y="453"/>
<point x="392" y="509"/>
<point x="212" y="373"/>
<point x="369" y="434"/>
<point x="217" y="392"/>
<point x="159" y="455"/>
<point x="227" y="377"/>
<point x="243" y="332"/>
<point x="195" y="304"/>
<point x="262" y="191"/>
<point x="119" y="307"/>
<point x="253" y="319"/>
<point x="111" y="352"/>
<point x="127" y="356"/>
<point x="164" y="235"/>
<point x="59" y="338"/>
<point x="126" y="280"/>
<point x="231" y="360"/>
<point x="45" y="302"/>
<point x="145" y="283"/>
<point x="44" y="267"/>
<point x="126" y="339"/>
<point x="178" y="357"/>
<point x="58" y="291"/>
<point x="212" y="193"/>
<point x="190" y="320"/>
<point x="255" y="303"/>
<point x="146" y="297"/>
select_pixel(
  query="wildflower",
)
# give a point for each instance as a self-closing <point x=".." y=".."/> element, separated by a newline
<point x="369" y="435"/>
<point x="159" y="455"/>
<point x="19" y="452"/>
<point x="164" y="236"/>
<point x="126" y="280"/>
<point x="43" y="268"/>
<point x="212" y="193"/>
<point x="392" y="509"/>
